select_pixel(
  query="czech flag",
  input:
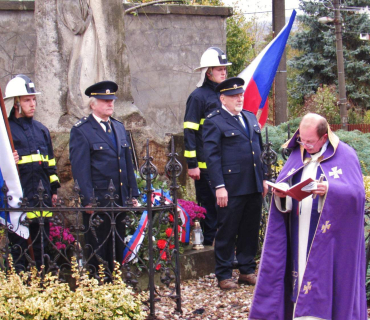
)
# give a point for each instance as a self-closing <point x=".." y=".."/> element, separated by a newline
<point x="9" y="174"/>
<point x="260" y="74"/>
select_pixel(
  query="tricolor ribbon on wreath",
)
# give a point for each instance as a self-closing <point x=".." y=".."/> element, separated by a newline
<point x="137" y="238"/>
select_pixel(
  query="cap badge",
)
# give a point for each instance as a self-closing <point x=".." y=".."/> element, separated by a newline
<point x="107" y="91"/>
<point x="235" y="86"/>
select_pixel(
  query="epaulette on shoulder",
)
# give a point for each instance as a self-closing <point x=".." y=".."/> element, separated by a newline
<point x="80" y="122"/>
<point x="213" y="113"/>
<point x="115" y="120"/>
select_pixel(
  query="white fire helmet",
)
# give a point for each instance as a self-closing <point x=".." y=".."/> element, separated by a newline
<point x="212" y="57"/>
<point x="19" y="86"/>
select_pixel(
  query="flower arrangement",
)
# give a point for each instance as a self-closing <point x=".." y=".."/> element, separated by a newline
<point x="194" y="211"/>
<point x="60" y="237"/>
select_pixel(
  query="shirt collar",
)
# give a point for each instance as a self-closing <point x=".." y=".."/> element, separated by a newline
<point x="233" y="115"/>
<point x="99" y="120"/>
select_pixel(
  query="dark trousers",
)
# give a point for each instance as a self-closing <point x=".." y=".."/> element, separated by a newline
<point x="19" y="246"/>
<point x="238" y="225"/>
<point x="99" y="239"/>
<point x="207" y="199"/>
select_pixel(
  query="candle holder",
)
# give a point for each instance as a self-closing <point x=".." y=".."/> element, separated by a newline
<point x="197" y="236"/>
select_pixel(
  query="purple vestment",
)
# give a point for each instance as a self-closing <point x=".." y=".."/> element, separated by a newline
<point x="333" y="285"/>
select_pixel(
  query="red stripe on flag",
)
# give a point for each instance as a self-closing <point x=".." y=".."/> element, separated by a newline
<point x="252" y="98"/>
<point x="252" y="101"/>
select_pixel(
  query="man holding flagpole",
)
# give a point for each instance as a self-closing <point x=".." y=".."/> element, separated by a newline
<point x="35" y="158"/>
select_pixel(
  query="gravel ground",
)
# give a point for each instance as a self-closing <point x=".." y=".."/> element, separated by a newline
<point x="203" y="299"/>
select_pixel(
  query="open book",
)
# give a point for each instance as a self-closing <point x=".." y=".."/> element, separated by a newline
<point x="299" y="191"/>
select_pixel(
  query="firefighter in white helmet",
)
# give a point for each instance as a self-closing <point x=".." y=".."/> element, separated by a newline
<point x="35" y="158"/>
<point x="201" y="102"/>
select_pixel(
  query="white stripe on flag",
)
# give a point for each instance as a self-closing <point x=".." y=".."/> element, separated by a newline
<point x="10" y="175"/>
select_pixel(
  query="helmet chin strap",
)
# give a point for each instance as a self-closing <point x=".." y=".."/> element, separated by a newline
<point x="18" y="104"/>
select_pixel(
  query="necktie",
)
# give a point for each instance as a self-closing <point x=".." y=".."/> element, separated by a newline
<point x="240" y="120"/>
<point x="242" y="123"/>
<point x="109" y="132"/>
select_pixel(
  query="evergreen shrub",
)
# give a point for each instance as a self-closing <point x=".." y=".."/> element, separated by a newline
<point x="28" y="296"/>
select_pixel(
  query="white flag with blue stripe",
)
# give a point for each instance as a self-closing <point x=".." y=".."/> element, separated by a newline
<point x="9" y="174"/>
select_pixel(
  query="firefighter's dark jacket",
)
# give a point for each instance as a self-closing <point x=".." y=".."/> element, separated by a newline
<point x="36" y="157"/>
<point x="234" y="154"/>
<point x="201" y="102"/>
<point x="95" y="161"/>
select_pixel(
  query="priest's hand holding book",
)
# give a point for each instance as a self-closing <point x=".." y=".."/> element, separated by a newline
<point x="300" y="190"/>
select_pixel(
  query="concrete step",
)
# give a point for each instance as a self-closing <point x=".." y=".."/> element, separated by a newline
<point x="197" y="263"/>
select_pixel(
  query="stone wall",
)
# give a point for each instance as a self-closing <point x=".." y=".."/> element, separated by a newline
<point x="18" y="40"/>
<point x="164" y="45"/>
<point x="66" y="45"/>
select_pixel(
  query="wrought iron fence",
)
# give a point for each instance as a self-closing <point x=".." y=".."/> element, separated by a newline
<point x="145" y="223"/>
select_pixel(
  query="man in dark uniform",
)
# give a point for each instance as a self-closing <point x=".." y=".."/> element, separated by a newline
<point x="200" y="103"/>
<point x="232" y="147"/>
<point x="100" y="152"/>
<point x="35" y="158"/>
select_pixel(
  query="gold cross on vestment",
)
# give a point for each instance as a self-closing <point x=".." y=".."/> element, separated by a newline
<point x="307" y="287"/>
<point x="325" y="227"/>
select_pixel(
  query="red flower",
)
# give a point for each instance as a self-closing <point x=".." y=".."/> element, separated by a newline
<point x="169" y="232"/>
<point x="161" y="244"/>
<point x="170" y="218"/>
<point x="158" y="266"/>
<point x="163" y="255"/>
<point x="172" y="246"/>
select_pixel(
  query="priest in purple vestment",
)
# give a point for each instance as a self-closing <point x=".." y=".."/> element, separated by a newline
<point x="313" y="261"/>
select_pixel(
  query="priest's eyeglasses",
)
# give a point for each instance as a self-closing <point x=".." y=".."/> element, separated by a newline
<point x="308" y="145"/>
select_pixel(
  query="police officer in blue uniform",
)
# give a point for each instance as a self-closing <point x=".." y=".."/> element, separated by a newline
<point x="100" y="152"/>
<point x="201" y="102"/>
<point x="233" y="146"/>
<point x="36" y="163"/>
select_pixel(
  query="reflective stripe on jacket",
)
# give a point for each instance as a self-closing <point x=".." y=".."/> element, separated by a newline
<point x="201" y="102"/>
<point x="36" y="158"/>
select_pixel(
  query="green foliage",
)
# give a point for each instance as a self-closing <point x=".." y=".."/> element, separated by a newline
<point x="367" y="117"/>
<point x="279" y="134"/>
<point x="27" y="296"/>
<point x="317" y="64"/>
<point x="238" y="44"/>
<point x="157" y="184"/>
<point x="323" y="102"/>
<point x="360" y="142"/>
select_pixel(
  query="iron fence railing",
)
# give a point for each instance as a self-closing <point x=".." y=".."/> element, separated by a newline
<point x="145" y="223"/>
<point x="142" y="256"/>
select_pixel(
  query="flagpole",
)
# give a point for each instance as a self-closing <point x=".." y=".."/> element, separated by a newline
<point x="7" y="126"/>
<point x="5" y="116"/>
